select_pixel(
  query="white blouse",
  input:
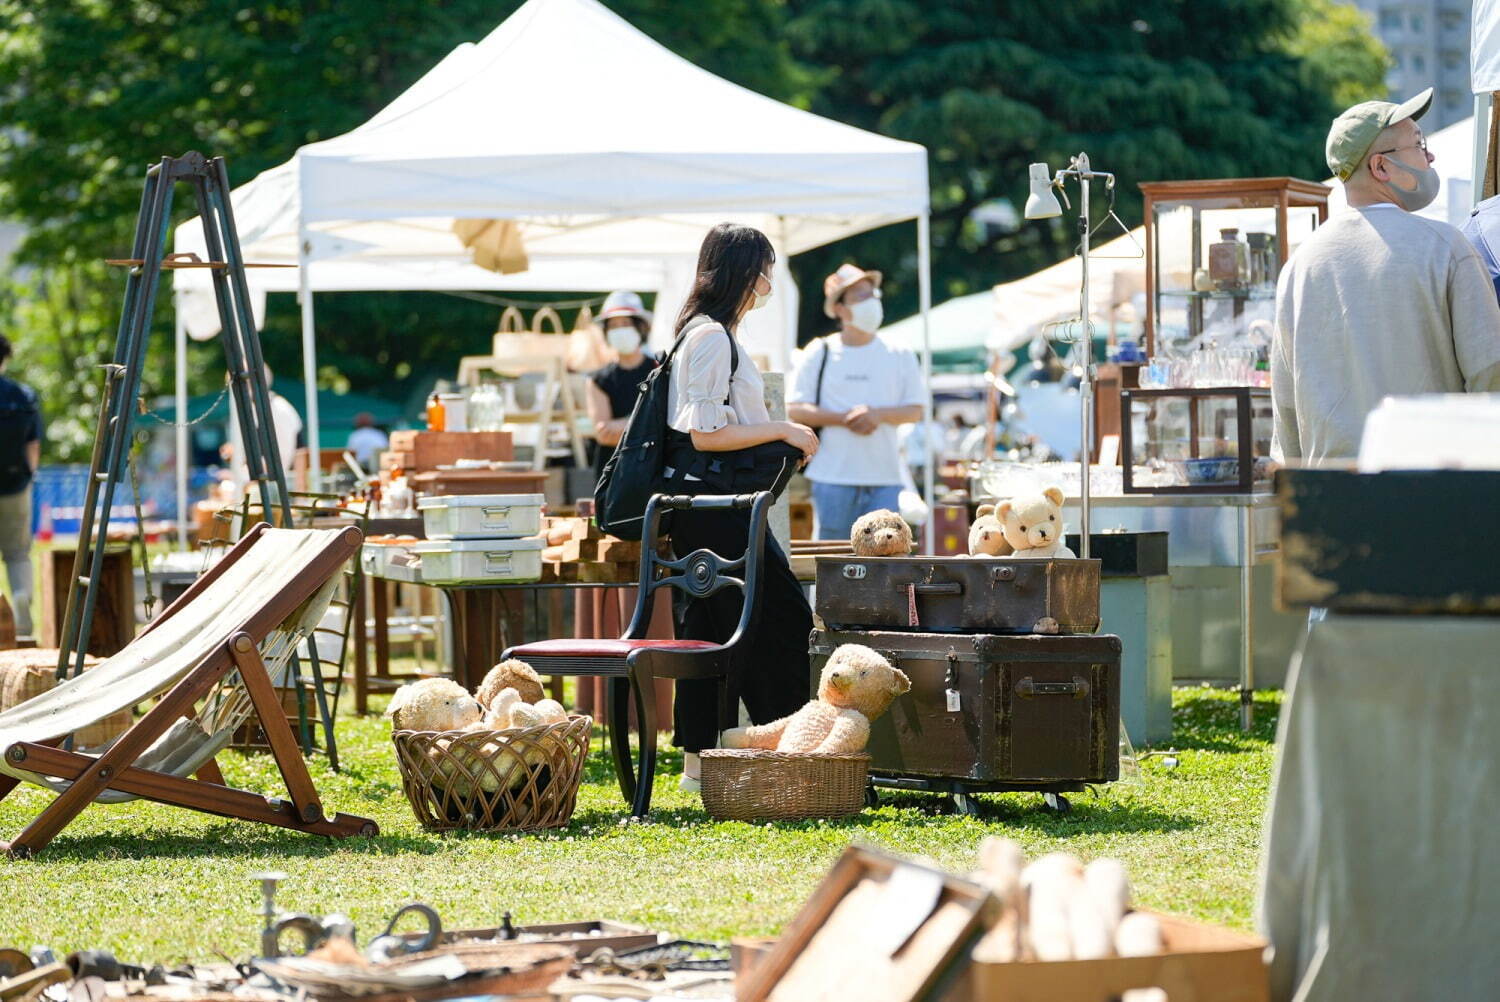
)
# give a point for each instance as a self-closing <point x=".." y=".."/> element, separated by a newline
<point x="699" y="383"/>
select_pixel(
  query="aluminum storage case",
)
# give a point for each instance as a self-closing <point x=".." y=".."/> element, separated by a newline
<point x="480" y="561"/>
<point x="991" y="713"/>
<point x="481" y="516"/>
<point x="959" y="594"/>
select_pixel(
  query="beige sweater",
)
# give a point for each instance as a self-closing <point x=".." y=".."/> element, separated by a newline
<point x="1378" y="302"/>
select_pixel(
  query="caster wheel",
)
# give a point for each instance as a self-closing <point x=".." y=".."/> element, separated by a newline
<point x="1057" y="803"/>
<point x="967" y="805"/>
<point x="872" y="797"/>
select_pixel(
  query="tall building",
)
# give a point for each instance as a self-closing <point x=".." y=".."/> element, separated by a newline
<point x="1429" y="45"/>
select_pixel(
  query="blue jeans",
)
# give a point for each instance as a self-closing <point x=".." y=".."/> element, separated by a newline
<point x="837" y="506"/>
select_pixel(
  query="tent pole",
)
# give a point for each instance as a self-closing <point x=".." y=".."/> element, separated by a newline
<point x="180" y="429"/>
<point x="309" y="361"/>
<point x="1481" y="147"/>
<point x="924" y="300"/>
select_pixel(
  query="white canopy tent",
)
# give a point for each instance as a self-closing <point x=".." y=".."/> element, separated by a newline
<point x="1484" y="79"/>
<point x="612" y="154"/>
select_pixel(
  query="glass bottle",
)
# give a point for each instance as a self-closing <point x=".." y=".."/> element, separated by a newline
<point x="1229" y="261"/>
<point x="436" y="413"/>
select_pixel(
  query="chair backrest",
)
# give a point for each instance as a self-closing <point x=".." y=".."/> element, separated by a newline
<point x="702" y="573"/>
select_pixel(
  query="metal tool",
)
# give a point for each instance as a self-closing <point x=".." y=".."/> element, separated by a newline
<point x="389" y="944"/>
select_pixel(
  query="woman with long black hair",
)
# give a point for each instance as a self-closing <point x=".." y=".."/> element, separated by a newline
<point x="718" y="406"/>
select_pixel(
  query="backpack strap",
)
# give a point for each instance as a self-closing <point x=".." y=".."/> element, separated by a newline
<point x="822" y="367"/>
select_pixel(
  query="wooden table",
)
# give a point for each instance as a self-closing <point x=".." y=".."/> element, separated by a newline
<point x="487" y="618"/>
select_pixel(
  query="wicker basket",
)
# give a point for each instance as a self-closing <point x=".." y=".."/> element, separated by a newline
<point x="751" y="784"/>
<point x="29" y="672"/>
<point x="522" y="779"/>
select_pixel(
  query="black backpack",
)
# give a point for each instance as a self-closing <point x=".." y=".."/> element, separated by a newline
<point x="637" y="470"/>
<point x="18" y="422"/>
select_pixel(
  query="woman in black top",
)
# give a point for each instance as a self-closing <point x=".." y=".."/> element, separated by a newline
<point x="614" y="388"/>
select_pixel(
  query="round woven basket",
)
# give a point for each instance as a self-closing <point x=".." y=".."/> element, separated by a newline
<point x="751" y="784"/>
<point x="521" y="779"/>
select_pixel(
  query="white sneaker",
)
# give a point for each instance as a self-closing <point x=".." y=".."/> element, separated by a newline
<point x="687" y="784"/>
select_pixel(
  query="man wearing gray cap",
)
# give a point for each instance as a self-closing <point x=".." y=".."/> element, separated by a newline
<point x="1379" y="301"/>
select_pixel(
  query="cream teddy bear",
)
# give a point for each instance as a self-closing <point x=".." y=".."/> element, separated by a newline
<point x="857" y="685"/>
<point x="512" y="674"/>
<point x="880" y="533"/>
<point x="1033" y="525"/>
<point x="987" y="535"/>
<point x="434" y="704"/>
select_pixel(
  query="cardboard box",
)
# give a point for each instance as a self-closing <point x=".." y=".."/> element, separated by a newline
<point x="1203" y="963"/>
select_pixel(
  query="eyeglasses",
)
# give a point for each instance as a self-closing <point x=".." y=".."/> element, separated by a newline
<point x="1420" y="144"/>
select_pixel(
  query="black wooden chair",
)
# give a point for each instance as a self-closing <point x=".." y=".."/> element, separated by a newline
<point x="633" y="662"/>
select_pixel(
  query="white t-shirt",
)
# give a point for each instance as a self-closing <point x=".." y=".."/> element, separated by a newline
<point x="873" y="374"/>
<point x="287" y="424"/>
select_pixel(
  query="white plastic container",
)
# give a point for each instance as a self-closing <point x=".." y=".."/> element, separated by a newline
<point x="480" y="561"/>
<point x="482" y="516"/>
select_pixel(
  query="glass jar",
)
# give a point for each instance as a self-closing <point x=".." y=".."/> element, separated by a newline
<point x="1229" y="262"/>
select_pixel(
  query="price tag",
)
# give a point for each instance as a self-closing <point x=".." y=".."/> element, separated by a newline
<point x="953" y="701"/>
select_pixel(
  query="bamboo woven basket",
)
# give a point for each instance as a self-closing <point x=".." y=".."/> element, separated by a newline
<point x="29" y="672"/>
<point x="521" y="779"/>
<point x="752" y="784"/>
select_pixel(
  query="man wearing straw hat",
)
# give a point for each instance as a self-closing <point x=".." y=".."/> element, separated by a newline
<point x="1379" y="301"/>
<point x="855" y="388"/>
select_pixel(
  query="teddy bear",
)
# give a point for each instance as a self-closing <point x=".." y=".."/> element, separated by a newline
<point x="512" y="674"/>
<point x="509" y="710"/>
<point x="857" y="685"/>
<point x="880" y="533"/>
<point x="1033" y="525"/>
<point x="434" y="704"/>
<point x="987" y="535"/>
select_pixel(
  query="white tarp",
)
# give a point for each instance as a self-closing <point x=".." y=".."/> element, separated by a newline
<point x="614" y="154"/>
<point x="1484" y="47"/>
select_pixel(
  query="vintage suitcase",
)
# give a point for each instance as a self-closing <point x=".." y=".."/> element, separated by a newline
<point x="990" y="713"/>
<point x="1357" y="542"/>
<point x="959" y="594"/>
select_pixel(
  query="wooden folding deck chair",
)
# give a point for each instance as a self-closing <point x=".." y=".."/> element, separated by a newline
<point x="213" y="658"/>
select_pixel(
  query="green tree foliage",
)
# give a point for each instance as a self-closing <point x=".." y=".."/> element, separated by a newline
<point x="92" y="91"/>
<point x="1151" y="89"/>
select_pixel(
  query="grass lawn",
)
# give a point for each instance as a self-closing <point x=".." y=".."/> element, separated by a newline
<point x="157" y="883"/>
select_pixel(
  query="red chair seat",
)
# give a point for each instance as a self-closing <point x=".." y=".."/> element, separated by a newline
<point x="603" y="648"/>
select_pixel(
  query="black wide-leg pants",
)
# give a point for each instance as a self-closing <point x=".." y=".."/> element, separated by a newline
<point x="771" y="666"/>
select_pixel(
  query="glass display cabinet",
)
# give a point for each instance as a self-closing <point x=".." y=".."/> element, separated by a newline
<point x="1213" y="252"/>
<point x="1208" y="440"/>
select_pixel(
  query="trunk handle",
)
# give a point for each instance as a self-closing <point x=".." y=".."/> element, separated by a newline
<point x="934" y="588"/>
<point x="1029" y="687"/>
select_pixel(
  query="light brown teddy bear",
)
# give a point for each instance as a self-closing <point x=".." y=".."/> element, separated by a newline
<point x="1034" y="525"/>
<point x="987" y="535"/>
<point x="857" y="685"/>
<point x="512" y="674"/>
<point x="434" y="704"/>
<point x="880" y="533"/>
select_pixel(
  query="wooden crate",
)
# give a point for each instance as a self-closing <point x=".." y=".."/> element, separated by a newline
<point x="114" y="612"/>
<point x="427" y="450"/>
<point x="1201" y="962"/>
<point x="447" y="482"/>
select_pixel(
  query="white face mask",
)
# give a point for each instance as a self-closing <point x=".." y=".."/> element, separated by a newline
<point x="867" y="315"/>
<point x="624" y="340"/>
<point x="761" y="297"/>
